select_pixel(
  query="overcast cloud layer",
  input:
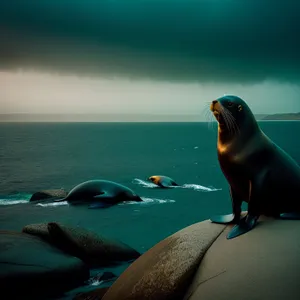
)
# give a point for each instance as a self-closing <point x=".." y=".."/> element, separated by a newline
<point x="242" y="41"/>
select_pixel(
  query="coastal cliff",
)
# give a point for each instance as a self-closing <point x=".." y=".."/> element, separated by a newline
<point x="282" y="117"/>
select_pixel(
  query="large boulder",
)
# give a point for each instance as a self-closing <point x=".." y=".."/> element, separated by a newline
<point x="200" y="263"/>
<point x="48" y="195"/>
<point x="261" y="264"/>
<point x="32" y="269"/>
<point x="93" y="249"/>
<point x="167" y="269"/>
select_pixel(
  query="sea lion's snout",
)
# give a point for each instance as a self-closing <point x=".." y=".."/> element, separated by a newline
<point x="152" y="178"/>
<point x="138" y="199"/>
<point x="214" y="106"/>
<point x="155" y="179"/>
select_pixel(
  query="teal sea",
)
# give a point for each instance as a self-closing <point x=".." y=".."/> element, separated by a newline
<point x="37" y="156"/>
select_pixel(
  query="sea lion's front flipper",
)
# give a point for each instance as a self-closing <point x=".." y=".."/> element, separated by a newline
<point x="290" y="216"/>
<point x="245" y="225"/>
<point x="233" y="218"/>
<point x="101" y="201"/>
<point x="250" y="220"/>
<point x="224" y="219"/>
<point x="101" y="195"/>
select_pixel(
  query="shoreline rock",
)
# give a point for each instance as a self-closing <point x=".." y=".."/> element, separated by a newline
<point x="199" y="262"/>
<point x="48" y="195"/>
<point x="32" y="269"/>
<point x="167" y="269"/>
<point x="94" y="249"/>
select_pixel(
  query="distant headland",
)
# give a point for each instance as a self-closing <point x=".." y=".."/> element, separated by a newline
<point x="283" y="117"/>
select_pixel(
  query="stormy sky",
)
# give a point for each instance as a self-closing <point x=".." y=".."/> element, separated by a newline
<point x="158" y="56"/>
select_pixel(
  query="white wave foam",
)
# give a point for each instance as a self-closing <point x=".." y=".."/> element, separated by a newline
<point x="198" y="187"/>
<point x="11" y="202"/>
<point x="147" y="201"/>
<point x="18" y="198"/>
<point x="145" y="184"/>
<point x="96" y="282"/>
<point x="52" y="204"/>
<point x="156" y="200"/>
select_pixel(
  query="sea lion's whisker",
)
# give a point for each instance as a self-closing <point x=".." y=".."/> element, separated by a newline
<point x="232" y="121"/>
<point x="212" y="121"/>
<point x="236" y="127"/>
<point x="208" y="117"/>
<point x="229" y="119"/>
<point x="233" y="125"/>
<point x="226" y="119"/>
<point x="205" y="112"/>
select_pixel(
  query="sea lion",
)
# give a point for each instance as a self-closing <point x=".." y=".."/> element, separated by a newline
<point x="258" y="171"/>
<point x="163" y="181"/>
<point x="100" y="194"/>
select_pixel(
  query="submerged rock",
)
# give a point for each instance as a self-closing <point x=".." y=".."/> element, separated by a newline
<point x="48" y="195"/>
<point x="32" y="269"/>
<point x="93" y="249"/>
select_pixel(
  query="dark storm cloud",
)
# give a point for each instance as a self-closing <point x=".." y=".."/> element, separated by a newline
<point x="209" y="40"/>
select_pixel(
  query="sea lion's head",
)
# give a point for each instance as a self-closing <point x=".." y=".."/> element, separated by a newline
<point x="131" y="195"/>
<point x="136" y="198"/>
<point x="155" y="179"/>
<point x="231" y="112"/>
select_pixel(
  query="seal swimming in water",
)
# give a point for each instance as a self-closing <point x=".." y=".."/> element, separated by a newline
<point x="258" y="171"/>
<point x="163" y="181"/>
<point x="100" y="194"/>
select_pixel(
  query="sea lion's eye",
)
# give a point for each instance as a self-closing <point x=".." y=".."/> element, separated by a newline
<point x="230" y="104"/>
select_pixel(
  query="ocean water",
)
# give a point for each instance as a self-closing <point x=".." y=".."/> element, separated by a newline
<point x="37" y="156"/>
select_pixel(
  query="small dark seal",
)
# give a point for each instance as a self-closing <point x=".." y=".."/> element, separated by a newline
<point x="258" y="171"/>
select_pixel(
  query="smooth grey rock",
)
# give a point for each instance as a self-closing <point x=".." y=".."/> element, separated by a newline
<point x="166" y="270"/>
<point x="32" y="269"/>
<point x="48" y="195"/>
<point x="93" y="249"/>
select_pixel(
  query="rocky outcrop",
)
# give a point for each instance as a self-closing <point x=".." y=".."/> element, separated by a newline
<point x="264" y="263"/>
<point x="165" y="271"/>
<point x="199" y="262"/>
<point x="48" y="195"/>
<point x="93" y="249"/>
<point x="32" y="269"/>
